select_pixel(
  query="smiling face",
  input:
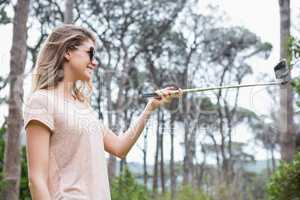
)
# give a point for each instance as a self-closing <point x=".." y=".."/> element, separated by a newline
<point x="80" y="62"/>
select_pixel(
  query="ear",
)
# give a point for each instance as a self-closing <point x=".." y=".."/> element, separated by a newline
<point x="67" y="55"/>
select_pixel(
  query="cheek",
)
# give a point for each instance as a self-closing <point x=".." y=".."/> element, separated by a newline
<point x="78" y="63"/>
<point x="77" y="68"/>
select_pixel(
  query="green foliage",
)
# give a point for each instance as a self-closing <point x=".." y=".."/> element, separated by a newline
<point x="24" y="190"/>
<point x="189" y="193"/>
<point x="4" y="19"/>
<point x="255" y="185"/>
<point x="186" y="192"/>
<point x="294" y="55"/>
<point x="207" y="105"/>
<point x="296" y="87"/>
<point x="285" y="182"/>
<point x="294" y="49"/>
<point x="2" y="147"/>
<point x="3" y="184"/>
<point x="125" y="187"/>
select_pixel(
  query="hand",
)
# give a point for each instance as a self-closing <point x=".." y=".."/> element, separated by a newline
<point x="165" y="97"/>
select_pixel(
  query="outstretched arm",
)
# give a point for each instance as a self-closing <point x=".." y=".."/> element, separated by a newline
<point x="121" y="145"/>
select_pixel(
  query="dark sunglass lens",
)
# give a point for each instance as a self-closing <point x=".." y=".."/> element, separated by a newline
<point x="92" y="53"/>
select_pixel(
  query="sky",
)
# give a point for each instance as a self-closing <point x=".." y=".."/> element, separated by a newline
<point x="259" y="16"/>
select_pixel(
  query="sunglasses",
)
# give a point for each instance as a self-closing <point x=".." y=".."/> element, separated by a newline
<point x="91" y="53"/>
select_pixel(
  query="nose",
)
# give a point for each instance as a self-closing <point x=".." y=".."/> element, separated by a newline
<point x="94" y="63"/>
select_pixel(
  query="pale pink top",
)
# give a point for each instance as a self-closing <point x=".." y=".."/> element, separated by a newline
<point x="77" y="164"/>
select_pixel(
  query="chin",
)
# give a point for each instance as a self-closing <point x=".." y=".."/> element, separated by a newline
<point x="85" y="77"/>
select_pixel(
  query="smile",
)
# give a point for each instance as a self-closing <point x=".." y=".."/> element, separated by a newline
<point x="90" y="68"/>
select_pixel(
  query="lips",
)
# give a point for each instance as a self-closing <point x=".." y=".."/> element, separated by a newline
<point x="90" y="68"/>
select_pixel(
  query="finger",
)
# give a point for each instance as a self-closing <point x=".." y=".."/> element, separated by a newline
<point x="178" y="93"/>
<point x="175" y="93"/>
<point x="166" y="93"/>
<point x="174" y="87"/>
<point x="160" y="94"/>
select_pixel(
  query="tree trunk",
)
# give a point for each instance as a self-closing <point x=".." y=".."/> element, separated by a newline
<point x="155" y="175"/>
<point x="201" y="168"/>
<point x="99" y="83"/>
<point x="18" y="51"/>
<point x="192" y="154"/>
<point x="127" y="121"/>
<point x="145" y="160"/>
<point x="68" y="14"/>
<point x="112" y="167"/>
<point x="186" y="105"/>
<point x="188" y="160"/>
<point x="273" y="160"/>
<point x="225" y="160"/>
<point x="162" y="171"/>
<point x="186" y="110"/>
<point x="172" y="167"/>
<point x="269" y="171"/>
<point x="287" y="128"/>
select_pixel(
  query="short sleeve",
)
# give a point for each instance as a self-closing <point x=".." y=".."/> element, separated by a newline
<point x="37" y="107"/>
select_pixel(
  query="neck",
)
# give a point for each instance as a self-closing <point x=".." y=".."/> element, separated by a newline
<point x="65" y="88"/>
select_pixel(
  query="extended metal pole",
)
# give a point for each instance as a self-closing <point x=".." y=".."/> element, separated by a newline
<point x="281" y="74"/>
<point x="228" y="87"/>
<point x="217" y="88"/>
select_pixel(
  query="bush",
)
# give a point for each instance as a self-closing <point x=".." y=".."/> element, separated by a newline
<point x="24" y="189"/>
<point x="125" y="187"/>
<point x="2" y="147"/>
<point x="285" y="182"/>
<point x="188" y="193"/>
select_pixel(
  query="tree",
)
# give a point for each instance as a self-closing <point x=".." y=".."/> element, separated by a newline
<point x="287" y="127"/>
<point x="228" y="50"/>
<point x="172" y="162"/>
<point x="12" y="162"/>
<point x="44" y="16"/>
<point x="68" y="14"/>
<point x="144" y="150"/>
<point x="156" y="158"/>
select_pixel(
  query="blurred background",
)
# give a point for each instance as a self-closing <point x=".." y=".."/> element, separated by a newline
<point x="237" y="144"/>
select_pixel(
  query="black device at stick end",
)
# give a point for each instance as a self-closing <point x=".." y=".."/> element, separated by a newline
<point x="147" y="95"/>
<point x="282" y="72"/>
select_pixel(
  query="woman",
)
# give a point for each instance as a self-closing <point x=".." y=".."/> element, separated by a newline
<point x="65" y="140"/>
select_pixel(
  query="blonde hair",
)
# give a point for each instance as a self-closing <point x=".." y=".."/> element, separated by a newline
<point x="49" y="65"/>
